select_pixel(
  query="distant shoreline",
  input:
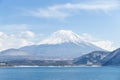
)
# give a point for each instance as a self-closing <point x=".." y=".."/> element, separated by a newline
<point x="46" y="66"/>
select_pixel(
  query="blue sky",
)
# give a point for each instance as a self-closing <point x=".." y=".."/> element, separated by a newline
<point x="97" y="18"/>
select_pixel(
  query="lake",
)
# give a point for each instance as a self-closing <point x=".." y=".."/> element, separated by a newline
<point x="60" y="73"/>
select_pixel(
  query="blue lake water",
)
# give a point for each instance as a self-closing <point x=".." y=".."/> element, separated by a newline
<point x="60" y="73"/>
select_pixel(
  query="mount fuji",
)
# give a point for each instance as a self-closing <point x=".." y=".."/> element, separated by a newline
<point x="62" y="44"/>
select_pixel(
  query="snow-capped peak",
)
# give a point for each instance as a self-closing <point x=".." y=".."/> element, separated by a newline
<point x="62" y="36"/>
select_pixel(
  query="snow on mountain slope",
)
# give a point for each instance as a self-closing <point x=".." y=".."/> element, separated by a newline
<point x="62" y="36"/>
<point x="66" y="36"/>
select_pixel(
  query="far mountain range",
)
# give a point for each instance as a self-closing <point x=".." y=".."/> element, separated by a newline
<point x="62" y="48"/>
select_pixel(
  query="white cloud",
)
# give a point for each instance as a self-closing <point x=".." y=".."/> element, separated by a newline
<point x="17" y="35"/>
<point x="48" y="13"/>
<point x="105" y="44"/>
<point x="1" y="34"/>
<point x="15" y="40"/>
<point x="27" y="35"/>
<point x="86" y="37"/>
<point x="64" y="10"/>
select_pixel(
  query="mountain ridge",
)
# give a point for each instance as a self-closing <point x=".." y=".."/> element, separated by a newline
<point x="62" y="44"/>
<point x="112" y="59"/>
